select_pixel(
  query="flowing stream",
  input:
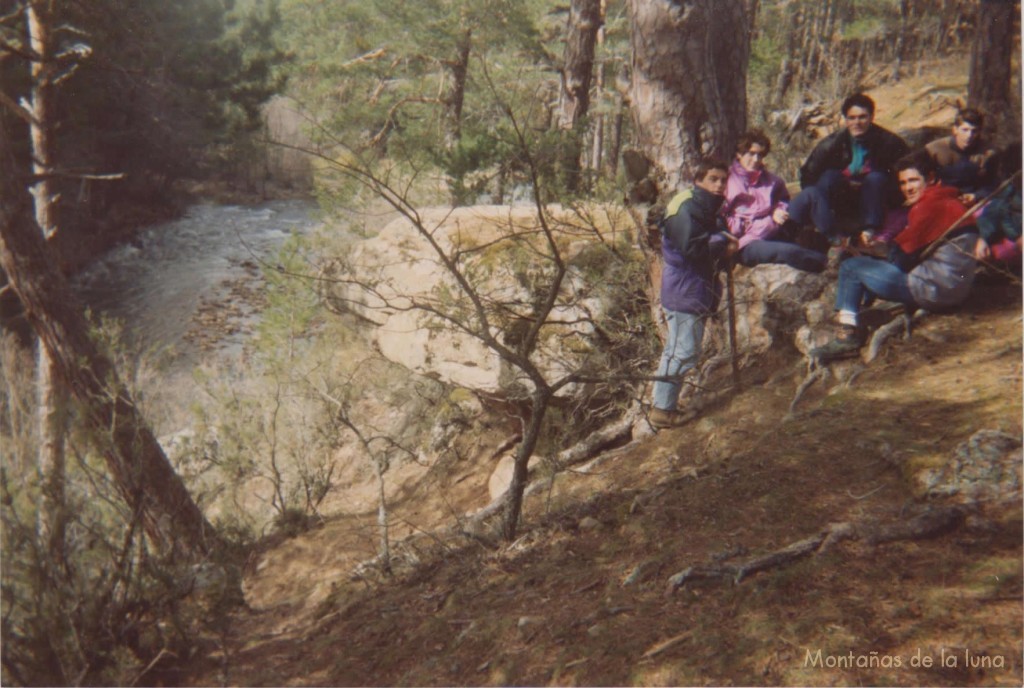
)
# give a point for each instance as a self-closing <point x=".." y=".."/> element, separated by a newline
<point x="191" y="286"/>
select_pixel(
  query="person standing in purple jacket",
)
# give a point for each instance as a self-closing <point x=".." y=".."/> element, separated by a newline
<point x="756" y="208"/>
<point x="694" y="245"/>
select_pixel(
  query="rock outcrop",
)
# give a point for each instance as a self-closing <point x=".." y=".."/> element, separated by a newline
<point x="428" y="322"/>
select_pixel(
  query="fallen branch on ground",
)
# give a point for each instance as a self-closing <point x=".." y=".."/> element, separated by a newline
<point x="931" y="523"/>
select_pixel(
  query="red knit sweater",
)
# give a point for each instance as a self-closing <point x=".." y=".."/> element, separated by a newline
<point x="932" y="215"/>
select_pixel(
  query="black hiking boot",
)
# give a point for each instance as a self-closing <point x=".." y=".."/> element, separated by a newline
<point x="847" y="344"/>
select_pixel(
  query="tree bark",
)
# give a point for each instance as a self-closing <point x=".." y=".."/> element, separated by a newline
<point x="520" y="470"/>
<point x="989" y="86"/>
<point x="456" y="98"/>
<point x="577" y="73"/>
<point x="688" y="89"/>
<point x="136" y="461"/>
<point x="50" y="396"/>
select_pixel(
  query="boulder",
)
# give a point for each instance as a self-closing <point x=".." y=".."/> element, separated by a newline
<point x="985" y="468"/>
<point x="504" y="254"/>
<point x="773" y="303"/>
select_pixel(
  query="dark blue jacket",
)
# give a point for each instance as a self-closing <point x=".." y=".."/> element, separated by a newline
<point x="691" y="246"/>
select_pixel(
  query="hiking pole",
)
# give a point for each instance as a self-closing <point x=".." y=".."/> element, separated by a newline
<point x="731" y="311"/>
<point x="973" y="209"/>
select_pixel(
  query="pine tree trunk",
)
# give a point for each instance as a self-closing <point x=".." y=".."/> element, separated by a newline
<point x="454" y="101"/>
<point x="50" y="396"/>
<point x="989" y="86"/>
<point x="577" y="73"/>
<point x="600" y="123"/>
<point x="901" y="39"/>
<point x="137" y="464"/>
<point x="688" y="90"/>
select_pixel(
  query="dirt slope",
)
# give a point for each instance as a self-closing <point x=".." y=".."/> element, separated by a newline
<point x="581" y="598"/>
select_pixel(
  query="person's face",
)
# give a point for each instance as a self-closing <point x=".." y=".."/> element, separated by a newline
<point x="964" y="134"/>
<point x="912" y="184"/>
<point x="858" y="120"/>
<point x="753" y="158"/>
<point x="714" y="182"/>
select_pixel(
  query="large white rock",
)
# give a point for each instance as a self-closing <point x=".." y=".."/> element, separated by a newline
<point x="504" y="254"/>
<point x="774" y="301"/>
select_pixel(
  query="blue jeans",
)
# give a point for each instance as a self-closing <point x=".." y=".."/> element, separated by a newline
<point x="682" y="349"/>
<point x="811" y="207"/>
<point x="871" y="199"/>
<point x="863" y="277"/>
<point x="767" y="251"/>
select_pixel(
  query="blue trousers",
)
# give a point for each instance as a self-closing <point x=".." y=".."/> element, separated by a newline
<point x="818" y="204"/>
<point x="767" y="251"/>
<point x="682" y="349"/>
<point x="862" y="277"/>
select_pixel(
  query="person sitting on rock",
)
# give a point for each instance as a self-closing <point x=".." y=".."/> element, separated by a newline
<point x="1000" y="223"/>
<point x="963" y="158"/>
<point x="694" y="245"/>
<point x="850" y="168"/>
<point x="916" y="274"/>
<point x="756" y="208"/>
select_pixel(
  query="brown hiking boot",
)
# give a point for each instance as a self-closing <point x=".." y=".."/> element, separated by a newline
<point x="661" y="419"/>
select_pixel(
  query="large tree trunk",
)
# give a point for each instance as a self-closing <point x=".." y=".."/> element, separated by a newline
<point x="144" y="476"/>
<point x="989" y="87"/>
<point x="577" y="73"/>
<point x="456" y="97"/>
<point x="688" y="87"/>
<point x="50" y="396"/>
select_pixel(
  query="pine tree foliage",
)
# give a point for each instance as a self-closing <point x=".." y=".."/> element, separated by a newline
<point x="166" y="92"/>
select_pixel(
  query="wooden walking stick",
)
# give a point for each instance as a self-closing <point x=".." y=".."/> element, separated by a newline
<point x="731" y="311"/>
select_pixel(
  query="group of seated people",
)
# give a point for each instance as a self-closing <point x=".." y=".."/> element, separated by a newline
<point x="899" y="248"/>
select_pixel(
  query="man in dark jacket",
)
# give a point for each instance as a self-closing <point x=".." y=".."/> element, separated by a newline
<point x="852" y="167"/>
<point x="964" y="158"/>
<point x="694" y="240"/>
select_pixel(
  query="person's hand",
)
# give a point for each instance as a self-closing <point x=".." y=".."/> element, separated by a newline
<point x="780" y="215"/>
<point x="982" y="250"/>
<point x="968" y="198"/>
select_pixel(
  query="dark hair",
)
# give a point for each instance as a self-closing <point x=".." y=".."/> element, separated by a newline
<point x="749" y="138"/>
<point x="971" y="116"/>
<point x="920" y="161"/>
<point x="708" y="164"/>
<point x="858" y="100"/>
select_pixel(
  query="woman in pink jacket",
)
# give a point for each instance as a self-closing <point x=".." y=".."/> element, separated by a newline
<point x="756" y="208"/>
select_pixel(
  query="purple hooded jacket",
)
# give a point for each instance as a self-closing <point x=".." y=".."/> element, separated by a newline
<point x="750" y="200"/>
<point x="692" y="241"/>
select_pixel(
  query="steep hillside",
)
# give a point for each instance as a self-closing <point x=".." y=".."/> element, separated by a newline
<point x="583" y="597"/>
<point x="852" y="537"/>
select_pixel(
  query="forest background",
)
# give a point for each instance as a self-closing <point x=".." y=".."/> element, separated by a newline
<point x="147" y="106"/>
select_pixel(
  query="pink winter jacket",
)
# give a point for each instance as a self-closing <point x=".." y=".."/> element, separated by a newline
<point x="750" y="200"/>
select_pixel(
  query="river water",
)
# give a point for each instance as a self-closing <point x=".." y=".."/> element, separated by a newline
<point x="157" y="283"/>
<point x="188" y="293"/>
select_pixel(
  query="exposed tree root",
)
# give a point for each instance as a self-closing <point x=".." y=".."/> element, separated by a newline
<point x="931" y="523"/>
<point x="904" y="323"/>
<point x="814" y="373"/>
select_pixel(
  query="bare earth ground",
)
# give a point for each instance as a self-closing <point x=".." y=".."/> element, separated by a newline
<point x="582" y="598"/>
